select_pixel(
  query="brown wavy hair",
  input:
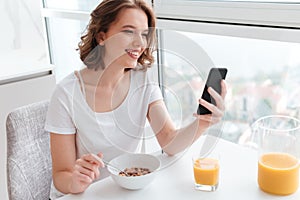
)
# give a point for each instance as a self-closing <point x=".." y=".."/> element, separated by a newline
<point x="102" y="17"/>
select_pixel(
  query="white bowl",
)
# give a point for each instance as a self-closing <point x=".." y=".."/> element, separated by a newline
<point x="134" y="160"/>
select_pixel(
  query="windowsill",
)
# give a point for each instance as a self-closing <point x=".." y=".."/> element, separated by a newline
<point x="17" y="66"/>
<point x="25" y="75"/>
<point x="18" y="74"/>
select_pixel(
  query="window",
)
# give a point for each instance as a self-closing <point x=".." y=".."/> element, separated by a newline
<point x="262" y="77"/>
<point x="65" y="23"/>
<point x="258" y="41"/>
<point x="64" y="35"/>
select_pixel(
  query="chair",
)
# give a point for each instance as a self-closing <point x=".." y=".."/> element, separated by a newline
<point x="28" y="153"/>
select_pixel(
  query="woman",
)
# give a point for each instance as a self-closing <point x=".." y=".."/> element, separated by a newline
<point x="101" y="110"/>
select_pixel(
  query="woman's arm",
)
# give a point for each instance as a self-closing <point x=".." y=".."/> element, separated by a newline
<point x="174" y="140"/>
<point x="71" y="175"/>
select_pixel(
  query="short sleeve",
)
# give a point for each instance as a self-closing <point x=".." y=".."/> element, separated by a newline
<point x="155" y="93"/>
<point x="152" y="82"/>
<point x="59" y="118"/>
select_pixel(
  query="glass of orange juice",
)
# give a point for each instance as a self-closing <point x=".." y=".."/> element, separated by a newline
<point x="278" y="140"/>
<point x="206" y="173"/>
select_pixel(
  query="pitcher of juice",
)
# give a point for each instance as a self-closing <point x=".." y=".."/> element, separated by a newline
<point x="278" y="141"/>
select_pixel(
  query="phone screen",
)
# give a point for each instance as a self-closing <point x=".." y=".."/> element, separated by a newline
<point x="213" y="80"/>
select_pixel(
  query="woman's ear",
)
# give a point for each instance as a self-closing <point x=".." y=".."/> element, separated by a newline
<point x="101" y="38"/>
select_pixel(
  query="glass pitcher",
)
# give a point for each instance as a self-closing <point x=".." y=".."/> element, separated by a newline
<point x="278" y="142"/>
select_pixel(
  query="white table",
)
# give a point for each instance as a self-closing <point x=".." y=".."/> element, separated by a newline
<point x="238" y="174"/>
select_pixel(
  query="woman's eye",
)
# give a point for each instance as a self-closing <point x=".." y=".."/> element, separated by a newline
<point x="128" y="31"/>
<point x="145" y="35"/>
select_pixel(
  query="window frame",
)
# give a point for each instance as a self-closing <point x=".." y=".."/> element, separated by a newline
<point x="253" y="32"/>
<point x="232" y="12"/>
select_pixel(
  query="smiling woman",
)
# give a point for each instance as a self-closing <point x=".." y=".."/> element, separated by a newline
<point x="103" y="108"/>
<point x="119" y="38"/>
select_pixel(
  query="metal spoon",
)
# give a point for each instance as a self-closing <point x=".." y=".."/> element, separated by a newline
<point x="118" y="169"/>
<point x="108" y="164"/>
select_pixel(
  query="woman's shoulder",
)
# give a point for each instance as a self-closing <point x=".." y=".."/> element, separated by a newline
<point x="67" y="84"/>
<point x="70" y="78"/>
<point x="68" y="81"/>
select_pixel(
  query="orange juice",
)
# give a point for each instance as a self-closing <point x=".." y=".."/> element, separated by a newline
<point x="278" y="173"/>
<point x="206" y="171"/>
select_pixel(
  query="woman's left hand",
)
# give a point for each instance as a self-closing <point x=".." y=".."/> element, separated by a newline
<point x="217" y="111"/>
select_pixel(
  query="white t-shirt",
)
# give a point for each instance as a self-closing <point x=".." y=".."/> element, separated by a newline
<point x="111" y="133"/>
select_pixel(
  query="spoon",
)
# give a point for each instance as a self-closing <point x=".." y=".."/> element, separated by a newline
<point x="108" y="164"/>
<point x="116" y="168"/>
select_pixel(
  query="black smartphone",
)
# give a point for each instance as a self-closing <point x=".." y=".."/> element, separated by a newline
<point x="213" y="80"/>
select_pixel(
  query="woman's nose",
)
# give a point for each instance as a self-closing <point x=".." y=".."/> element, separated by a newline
<point x="139" y="41"/>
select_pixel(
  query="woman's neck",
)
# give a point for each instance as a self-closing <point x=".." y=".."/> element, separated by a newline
<point x="108" y="77"/>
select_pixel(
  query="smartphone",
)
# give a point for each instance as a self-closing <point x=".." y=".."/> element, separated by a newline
<point x="213" y="80"/>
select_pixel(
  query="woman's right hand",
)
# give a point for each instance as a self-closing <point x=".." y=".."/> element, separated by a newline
<point x="69" y="173"/>
<point x="85" y="171"/>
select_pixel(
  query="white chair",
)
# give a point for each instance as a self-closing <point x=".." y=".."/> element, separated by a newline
<point x="28" y="153"/>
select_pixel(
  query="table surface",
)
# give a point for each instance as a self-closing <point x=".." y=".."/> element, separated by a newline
<point x="238" y="178"/>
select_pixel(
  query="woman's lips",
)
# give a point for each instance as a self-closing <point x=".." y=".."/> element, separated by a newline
<point x="132" y="53"/>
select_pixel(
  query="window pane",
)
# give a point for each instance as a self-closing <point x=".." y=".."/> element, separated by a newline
<point x="64" y="35"/>
<point x="71" y="4"/>
<point x="262" y="79"/>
